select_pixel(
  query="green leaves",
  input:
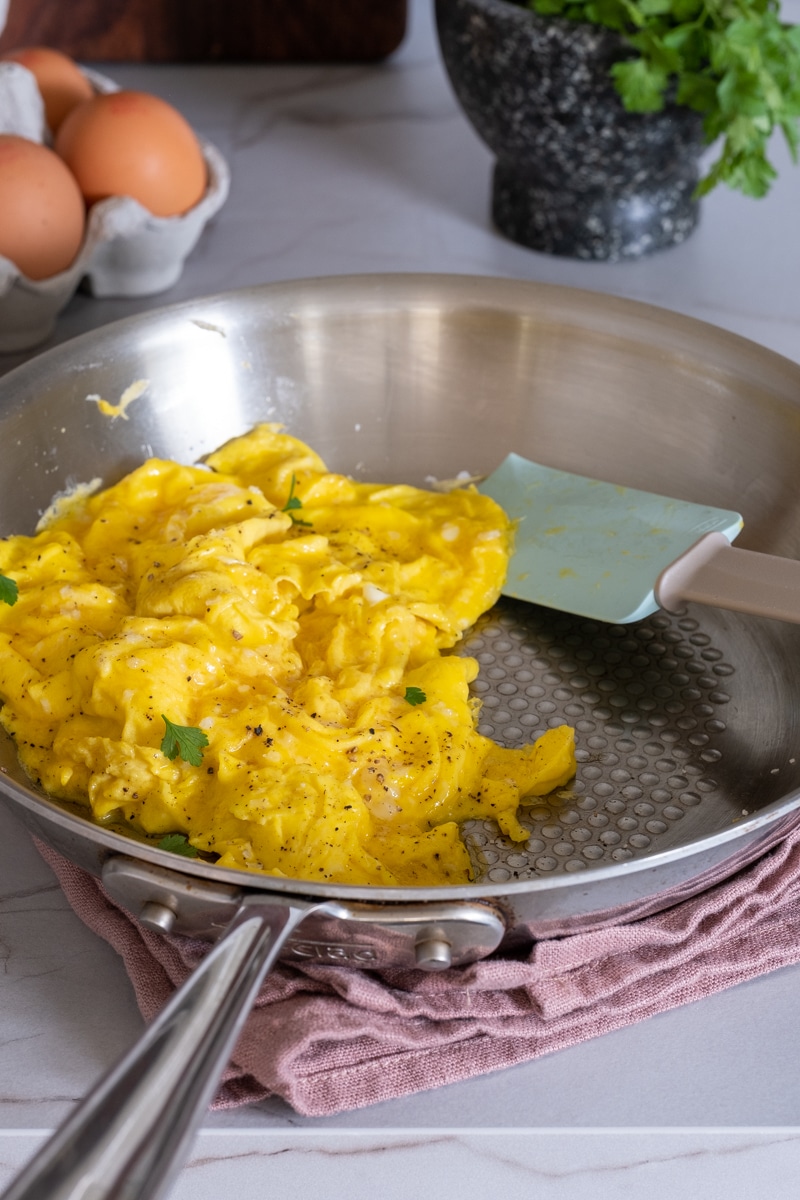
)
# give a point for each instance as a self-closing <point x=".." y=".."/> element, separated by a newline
<point x="733" y="61"/>
<point x="641" y="84"/>
<point x="8" y="590"/>
<point x="184" y="740"/>
<point x="654" y="8"/>
<point x="293" y="503"/>
<point x="177" y="843"/>
<point x="696" y="92"/>
<point x="415" y="695"/>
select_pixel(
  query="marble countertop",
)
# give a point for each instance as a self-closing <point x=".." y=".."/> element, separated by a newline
<point x="350" y="169"/>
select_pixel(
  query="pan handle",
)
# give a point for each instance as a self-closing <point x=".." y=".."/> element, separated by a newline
<point x="129" y="1137"/>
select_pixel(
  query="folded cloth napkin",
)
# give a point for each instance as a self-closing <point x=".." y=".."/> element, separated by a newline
<point x="329" y="1038"/>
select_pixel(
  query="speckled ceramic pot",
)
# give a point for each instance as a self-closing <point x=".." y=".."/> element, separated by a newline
<point x="575" y="174"/>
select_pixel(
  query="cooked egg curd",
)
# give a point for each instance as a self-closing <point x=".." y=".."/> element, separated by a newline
<point x="293" y="622"/>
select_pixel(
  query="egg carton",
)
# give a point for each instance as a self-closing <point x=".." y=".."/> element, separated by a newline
<point x="126" y="250"/>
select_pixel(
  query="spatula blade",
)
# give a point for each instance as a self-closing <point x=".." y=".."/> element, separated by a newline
<point x="593" y="548"/>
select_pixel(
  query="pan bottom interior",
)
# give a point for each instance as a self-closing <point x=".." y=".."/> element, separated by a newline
<point x="684" y="726"/>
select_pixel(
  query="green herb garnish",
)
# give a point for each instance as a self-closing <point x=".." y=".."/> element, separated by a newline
<point x="415" y="695"/>
<point x="733" y="61"/>
<point x="293" y="504"/>
<point x="184" y="740"/>
<point x="8" y="590"/>
<point x="177" y="843"/>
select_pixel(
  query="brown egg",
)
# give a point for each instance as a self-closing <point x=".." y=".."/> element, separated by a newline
<point x="134" y="144"/>
<point x="42" y="214"/>
<point x="60" y="80"/>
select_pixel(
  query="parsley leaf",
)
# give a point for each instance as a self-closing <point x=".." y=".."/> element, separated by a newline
<point x="177" y="843"/>
<point x="736" y="63"/>
<point x="642" y="84"/>
<point x="293" y="503"/>
<point x="8" y="590"/>
<point x="184" y="740"/>
<point x="415" y="695"/>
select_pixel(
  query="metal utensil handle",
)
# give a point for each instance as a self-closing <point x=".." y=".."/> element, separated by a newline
<point x="128" y="1138"/>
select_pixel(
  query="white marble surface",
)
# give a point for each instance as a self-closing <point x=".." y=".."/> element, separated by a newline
<point x="372" y="169"/>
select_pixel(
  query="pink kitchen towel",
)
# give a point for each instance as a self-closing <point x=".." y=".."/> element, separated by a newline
<point x="329" y="1038"/>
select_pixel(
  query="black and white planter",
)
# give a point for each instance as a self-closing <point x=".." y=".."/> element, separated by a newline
<point x="575" y="174"/>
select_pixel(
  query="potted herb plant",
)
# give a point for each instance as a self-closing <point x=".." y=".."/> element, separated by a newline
<point x="599" y="111"/>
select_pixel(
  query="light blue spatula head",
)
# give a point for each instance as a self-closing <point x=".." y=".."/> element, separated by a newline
<point x="592" y="548"/>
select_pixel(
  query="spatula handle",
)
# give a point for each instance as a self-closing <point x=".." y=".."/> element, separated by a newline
<point x="714" y="572"/>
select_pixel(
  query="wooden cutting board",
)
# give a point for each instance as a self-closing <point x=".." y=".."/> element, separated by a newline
<point x="211" y="30"/>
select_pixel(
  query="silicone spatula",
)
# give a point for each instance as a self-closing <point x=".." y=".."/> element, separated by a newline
<point x="618" y="554"/>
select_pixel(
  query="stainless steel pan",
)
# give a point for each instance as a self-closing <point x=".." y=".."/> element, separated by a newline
<point x="687" y="726"/>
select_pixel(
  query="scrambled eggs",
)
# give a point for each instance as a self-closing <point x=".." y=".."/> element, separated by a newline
<point x="251" y="657"/>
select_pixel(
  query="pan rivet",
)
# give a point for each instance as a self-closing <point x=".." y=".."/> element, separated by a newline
<point x="432" y="951"/>
<point x="157" y="917"/>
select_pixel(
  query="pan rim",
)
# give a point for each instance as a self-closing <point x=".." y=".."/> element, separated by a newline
<point x="414" y="282"/>
<point x="119" y="844"/>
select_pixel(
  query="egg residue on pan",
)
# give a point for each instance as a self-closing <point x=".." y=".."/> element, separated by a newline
<point x="249" y="660"/>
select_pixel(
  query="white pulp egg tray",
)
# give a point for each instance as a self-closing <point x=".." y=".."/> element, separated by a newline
<point x="126" y="250"/>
